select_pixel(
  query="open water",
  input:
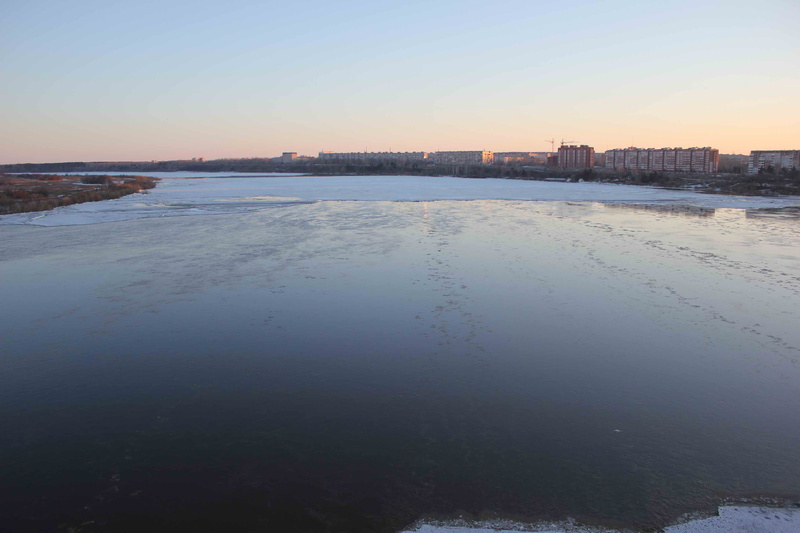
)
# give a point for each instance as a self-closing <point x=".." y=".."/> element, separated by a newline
<point x="349" y="366"/>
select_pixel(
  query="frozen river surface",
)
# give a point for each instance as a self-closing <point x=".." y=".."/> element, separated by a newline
<point x="297" y="364"/>
<point x="187" y="193"/>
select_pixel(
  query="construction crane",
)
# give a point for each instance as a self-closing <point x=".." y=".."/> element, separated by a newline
<point x="553" y="143"/>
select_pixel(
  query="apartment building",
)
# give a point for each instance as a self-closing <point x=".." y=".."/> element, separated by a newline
<point x="521" y="157"/>
<point x="704" y="160"/>
<point x="373" y="157"/>
<point x="777" y="159"/>
<point x="469" y="157"/>
<point x="576" y="156"/>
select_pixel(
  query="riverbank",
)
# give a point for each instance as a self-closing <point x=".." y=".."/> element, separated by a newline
<point x="783" y="183"/>
<point x="43" y="192"/>
<point x="780" y="184"/>
<point x="772" y="185"/>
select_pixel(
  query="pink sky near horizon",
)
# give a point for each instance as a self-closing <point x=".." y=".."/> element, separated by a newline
<point x="112" y="82"/>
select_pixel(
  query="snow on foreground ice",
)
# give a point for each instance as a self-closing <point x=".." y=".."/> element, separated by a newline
<point x="183" y="194"/>
<point x="731" y="519"/>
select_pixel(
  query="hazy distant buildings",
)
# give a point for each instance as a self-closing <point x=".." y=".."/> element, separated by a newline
<point x="473" y="157"/>
<point x="705" y="160"/>
<point x="694" y="160"/>
<point x="511" y="157"/>
<point x="469" y="157"/>
<point x="373" y="157"/>
<point x="576" y="156"/>
<point x="777" y="159"/>
<point x="521" y="157"/>
<point x="288" y="157"/>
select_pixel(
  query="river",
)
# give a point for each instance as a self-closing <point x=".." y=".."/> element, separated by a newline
<point x="288" y="359"/>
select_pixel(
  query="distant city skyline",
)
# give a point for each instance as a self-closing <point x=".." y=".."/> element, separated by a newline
<point x="93" y="81"/>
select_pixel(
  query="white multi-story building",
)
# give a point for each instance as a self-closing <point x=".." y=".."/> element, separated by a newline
<point x="373" y="156"/>
<point x="521" y="157"/>
<point x="473" y="157"/>
<point x="703" y="160"/>
<point x="777" y="159"/>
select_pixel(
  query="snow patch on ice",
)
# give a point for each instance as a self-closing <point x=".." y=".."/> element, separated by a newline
<point x="731" y="519"/>
<point x="744" y="519"/>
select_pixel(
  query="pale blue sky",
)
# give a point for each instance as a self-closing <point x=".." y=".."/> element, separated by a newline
<point x="92" y="80"/>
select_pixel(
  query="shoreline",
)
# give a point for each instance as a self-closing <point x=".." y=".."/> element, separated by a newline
<point x="732" y="517"/>
<point x="45" y="192"/>
<point x="768" y="184"/>
<point x="189" y="193"/>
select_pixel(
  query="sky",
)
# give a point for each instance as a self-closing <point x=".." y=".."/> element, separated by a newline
<point x="86" y="80"/>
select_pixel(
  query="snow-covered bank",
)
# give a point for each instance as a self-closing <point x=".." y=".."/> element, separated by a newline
<point x="178" y="194"/>
<point x="731" y="519"/>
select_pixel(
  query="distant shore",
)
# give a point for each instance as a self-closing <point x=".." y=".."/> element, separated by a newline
<point x="23" y="193"/>
<point x="783" y="183"/>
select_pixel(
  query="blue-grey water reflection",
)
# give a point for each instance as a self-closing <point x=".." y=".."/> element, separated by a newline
<point x="346" y="366"/>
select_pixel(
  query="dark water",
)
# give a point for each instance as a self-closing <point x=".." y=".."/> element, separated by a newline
<point x="355" y="366"/>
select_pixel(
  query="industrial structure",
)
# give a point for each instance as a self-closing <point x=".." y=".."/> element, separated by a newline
<point x="777" y="159"/>
<point x="704" y="160"/>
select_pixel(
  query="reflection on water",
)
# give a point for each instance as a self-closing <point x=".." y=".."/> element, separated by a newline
<point x="672" y="209"/>
<point x="345" y="366"/>
<point x="790" y="213"/>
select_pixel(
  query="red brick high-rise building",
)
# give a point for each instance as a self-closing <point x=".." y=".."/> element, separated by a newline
<point x="576" y="156"/>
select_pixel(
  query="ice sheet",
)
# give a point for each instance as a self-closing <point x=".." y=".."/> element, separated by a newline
<point x="731" y="519"/>
<point x="187" y="193"/>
